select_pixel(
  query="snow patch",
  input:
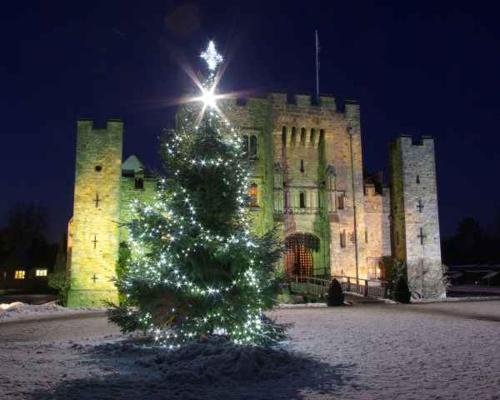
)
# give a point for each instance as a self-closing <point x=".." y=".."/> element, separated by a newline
<point x="20" y="310"/>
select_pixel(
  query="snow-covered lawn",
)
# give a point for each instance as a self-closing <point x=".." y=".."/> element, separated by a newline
<point x="425" y="351"/>
<point x="22" y="311"/>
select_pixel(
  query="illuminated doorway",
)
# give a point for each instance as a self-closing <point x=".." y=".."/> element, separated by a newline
<point x="299" y="249"/>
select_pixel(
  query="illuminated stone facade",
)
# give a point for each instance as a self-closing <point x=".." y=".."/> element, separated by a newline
<point x="307" y="171"/>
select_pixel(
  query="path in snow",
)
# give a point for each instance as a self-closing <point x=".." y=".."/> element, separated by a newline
<point x="425" y="351"/>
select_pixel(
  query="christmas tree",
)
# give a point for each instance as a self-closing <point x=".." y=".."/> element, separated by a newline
<point x="194" y="268"/>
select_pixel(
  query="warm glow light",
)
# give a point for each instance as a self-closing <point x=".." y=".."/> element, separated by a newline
<point x="208" y="97"/>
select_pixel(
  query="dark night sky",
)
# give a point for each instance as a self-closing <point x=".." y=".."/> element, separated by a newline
<point x="415" y="67"/>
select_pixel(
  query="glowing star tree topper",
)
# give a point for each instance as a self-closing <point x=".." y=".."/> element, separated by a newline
<point x="212" y="57"/>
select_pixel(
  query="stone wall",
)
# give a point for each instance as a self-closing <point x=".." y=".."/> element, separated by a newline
<point x="415" y="211"/>
<point x="377" y="235"/>
<point x="94" y="229"/>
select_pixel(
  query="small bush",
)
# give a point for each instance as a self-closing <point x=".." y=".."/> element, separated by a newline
<point x="401" y="290"/>
<point x="59" y="280"/>
<point x="335" y="294"/>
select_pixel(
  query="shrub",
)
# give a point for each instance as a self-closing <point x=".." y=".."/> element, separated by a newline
<point x="335" y="294"/>
<point x="401" y="292"/>
<point x="59" y="280"/>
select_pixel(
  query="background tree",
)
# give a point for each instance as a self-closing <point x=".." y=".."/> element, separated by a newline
<point x="23" y="241"/>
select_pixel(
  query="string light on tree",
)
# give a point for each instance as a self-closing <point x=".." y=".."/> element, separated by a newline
<point x="195" y="268"/>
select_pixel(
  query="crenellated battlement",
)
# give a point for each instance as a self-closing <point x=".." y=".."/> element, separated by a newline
<point x="415" y="142"/>
<point x="88" y="124"/>
<point x="284" y="99"/>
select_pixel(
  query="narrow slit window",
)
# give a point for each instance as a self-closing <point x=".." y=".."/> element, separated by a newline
<point x="321" y="136"/>
<point x="340" y="202"/>
<point x="342" y="239"/>
<point x="418" y="180"/>
<point x="294" y="135"/>
<point x="302" y="200"/>
<point x="283" y="136"/>
<point x="312" y="138"/>
<point x="303" y="136"/>
<point x="301" y="165"/>
<point x="253" y="147"/>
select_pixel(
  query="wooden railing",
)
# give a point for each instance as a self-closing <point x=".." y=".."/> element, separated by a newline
<point x="318" y="286"/>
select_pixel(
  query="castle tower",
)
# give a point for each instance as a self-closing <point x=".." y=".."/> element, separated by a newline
<point x="95" y="224"/>
<point x="414" y="211"/>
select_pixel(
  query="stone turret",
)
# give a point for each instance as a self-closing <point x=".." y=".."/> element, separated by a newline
<point x="414" y="211"/>
<point x="95" y="224"/>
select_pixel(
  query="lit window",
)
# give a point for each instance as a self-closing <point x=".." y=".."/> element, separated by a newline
<point x="20" y="274"/>
<point x="41" y="272"/>
<point x="252" y="193"/>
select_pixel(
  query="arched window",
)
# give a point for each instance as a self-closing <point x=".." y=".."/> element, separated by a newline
<point x="312" y="138"/>
<point x="294" y="135"/>
<point x="302" y="200"/>
<point x="301" y="165"/>
<point x="252" y="193"/>
<point x="321" y="136"/>
<point x="303" y="136"/>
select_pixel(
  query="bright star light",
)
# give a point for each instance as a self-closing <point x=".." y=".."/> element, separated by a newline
<point x="211" y="57"/>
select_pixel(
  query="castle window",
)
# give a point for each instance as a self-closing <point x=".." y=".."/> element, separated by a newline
<point x="321" y="136"/>
<point x="139" y="184"/>
<point x="342" y="239"/>
<point x="98" y="168"/>
<point x="302" y="200"/>
<point x="312" y="138"/>
<point x="340" y="202"/>
<point x="301" y="165"/>
<point x="252" y="193"/>
<point x="366" y="235"/>
<point x="294" y="135"/>
<point x="250" y="146"/>
<point x="253" y="147"/>
<point x="20" y="274"/>
<point x="303" y="136"/>
<point x="418" y="180"/>
<point x="283" y="136"/>
<point x="41" y="272"/>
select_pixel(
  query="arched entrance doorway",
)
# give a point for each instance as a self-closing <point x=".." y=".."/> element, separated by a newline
<point x="298" y="254"/>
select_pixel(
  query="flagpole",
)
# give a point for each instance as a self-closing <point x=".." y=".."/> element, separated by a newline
<point x="317" y="65"/>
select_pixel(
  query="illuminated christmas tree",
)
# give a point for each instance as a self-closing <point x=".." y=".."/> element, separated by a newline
<point x="195" y="269"/>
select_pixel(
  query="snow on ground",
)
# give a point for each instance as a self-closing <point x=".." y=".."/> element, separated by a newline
<point x="18" y="310"/>
<point x="424" y="351"/>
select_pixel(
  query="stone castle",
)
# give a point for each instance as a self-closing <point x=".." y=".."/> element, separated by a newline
<point x="307" y="169"/>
